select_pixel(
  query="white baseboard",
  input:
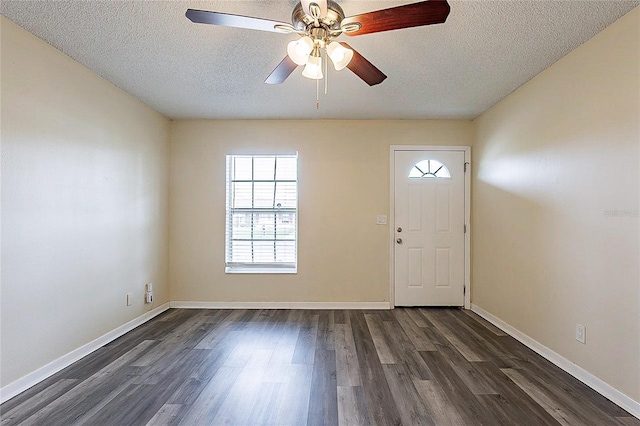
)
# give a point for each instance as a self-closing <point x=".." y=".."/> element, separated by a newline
<point x="579" y="373"/>
<point x="279" y="305"/>
<point x="12" y="389"/>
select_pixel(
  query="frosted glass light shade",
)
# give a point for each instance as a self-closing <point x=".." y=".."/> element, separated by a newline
<point x="299" y="50"/>
<point x="340" y="55"/>
<point x="313" y="69"/>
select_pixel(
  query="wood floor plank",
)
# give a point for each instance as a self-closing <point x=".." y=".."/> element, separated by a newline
<point x="377" y="394"/>
<point x="245" y="392"/>
<point x="518" y="403"/>
<point x="282" y="355"/>
<point x="166" y="416"/>
<point x="347" y="368"/>
<point x="475" y="381"/>
<point x="440" y="407"/>
<point x="186" y="335"/>
<point x="326" y="331"/>
<point x="417" y="317"/>
<point x="564" y="415"/>
<point x="483" y="322"/>
<point x="323" y="398"/>
<point x="413" y="410"/>
<point x="141" y="400"/>
<point x="292" y="407"/>
<point x="173" y="357"/>
<point x="66" y="410"/>
<point x="461" y="397"/>
<point x="407" y="366"/>
<point x="206" y="406"/>
<point x="305" y="350"/>
<point x="41" y="399"/>
<point x="380" y="341"/>
<point x="478" y="338"/>
<point x="417" y="336"/>
<point x="105" y="380"/>
<point x="569" y="387"/>
<point x="403" y="350"/>
<point x="443" y="327"/>
<point x="215" y="335"/>
<point x="352" y="410"/>
<point x="200" y="375"/>
<point x="565" y="390"/>
<point x="262" y="411"/>
<point x="628" y="421"/>
<point x="138" y="400"/>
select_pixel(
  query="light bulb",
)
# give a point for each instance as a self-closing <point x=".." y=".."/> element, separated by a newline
<point x="299" y="50"/>
<point x="340" y="55"/>
<point x="313" y="69"/>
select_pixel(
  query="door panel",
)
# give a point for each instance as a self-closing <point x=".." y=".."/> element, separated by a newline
<point x="429" y="225"/>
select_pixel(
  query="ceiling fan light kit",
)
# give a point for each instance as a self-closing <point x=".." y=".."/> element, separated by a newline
<point x="340" y="55"/>
<point x="313" y="67"/>
<point x="299" y="50"/>
<point x="319" y="23"/>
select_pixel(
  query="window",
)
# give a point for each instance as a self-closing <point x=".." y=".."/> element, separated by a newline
<point x="262" y="213"/>
<point x="429" y="169"/>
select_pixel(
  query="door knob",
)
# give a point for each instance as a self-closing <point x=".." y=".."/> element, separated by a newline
<point x="399" y="229"/>
<point x="399" y="240"/>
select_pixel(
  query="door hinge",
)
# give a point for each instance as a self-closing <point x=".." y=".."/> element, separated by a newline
<point x="465" y="167"/>
<point x="464" y="290"/>
<point x="465" y="228"/>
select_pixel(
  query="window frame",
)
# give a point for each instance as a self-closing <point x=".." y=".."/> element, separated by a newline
<point x="259" y="267"/>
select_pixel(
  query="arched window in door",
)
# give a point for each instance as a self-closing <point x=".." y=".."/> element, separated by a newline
<point x="429" y="169"/>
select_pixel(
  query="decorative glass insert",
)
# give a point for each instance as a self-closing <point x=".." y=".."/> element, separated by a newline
<point x="429" y="169"/>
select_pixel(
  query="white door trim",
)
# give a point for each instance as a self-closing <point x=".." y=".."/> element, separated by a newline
<point x="467" y="215"/>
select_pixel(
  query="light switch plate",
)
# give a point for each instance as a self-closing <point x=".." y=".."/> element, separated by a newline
<point x="382" y="219"/>
<point x="581" y="333"/>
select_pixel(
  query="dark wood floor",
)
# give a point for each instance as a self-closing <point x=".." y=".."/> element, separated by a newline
<point x="280" y="367"/>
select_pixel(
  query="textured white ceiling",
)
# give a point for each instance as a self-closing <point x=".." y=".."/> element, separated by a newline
<point x="458" y="69"/>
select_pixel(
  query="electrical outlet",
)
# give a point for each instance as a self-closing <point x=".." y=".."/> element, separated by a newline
<point x="581" y="333"/>
<point x="129" y="299"/>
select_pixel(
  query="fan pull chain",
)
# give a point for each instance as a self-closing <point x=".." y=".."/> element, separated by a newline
<point x="326" y="73"/>
<point x="317" y="94"/>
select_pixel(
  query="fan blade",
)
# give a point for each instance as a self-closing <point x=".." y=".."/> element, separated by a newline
<point x="237" y="21"/>
<point x="410" y="15"/>
<point x="363" y="68"/>
<point x="322" y="4"/>
<point x="282" y="71"/>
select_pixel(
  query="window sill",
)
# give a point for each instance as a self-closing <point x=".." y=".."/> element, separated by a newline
<point x="236" y="270"/>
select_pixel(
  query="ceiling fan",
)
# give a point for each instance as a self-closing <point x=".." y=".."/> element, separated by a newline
<point x="319" y="23"/>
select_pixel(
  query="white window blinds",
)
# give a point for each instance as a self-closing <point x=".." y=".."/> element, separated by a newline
<point x="262" y="210"/>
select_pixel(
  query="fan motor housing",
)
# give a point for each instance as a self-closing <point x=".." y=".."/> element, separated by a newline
<point x="331" y="22"/>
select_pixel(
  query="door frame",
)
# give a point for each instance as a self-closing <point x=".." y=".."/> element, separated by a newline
<point x="467" y="215"/>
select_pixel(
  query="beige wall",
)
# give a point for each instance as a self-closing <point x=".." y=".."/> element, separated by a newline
<point x="343" y="255"/>
<point x="84" y="204"/>
<point x="550" y="162"/>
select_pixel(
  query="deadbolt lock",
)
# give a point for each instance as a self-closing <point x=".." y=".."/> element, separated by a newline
<point x="399" y="229"/>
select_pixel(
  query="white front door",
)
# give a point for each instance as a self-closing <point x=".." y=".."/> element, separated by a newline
<point x="429" y="228"/>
